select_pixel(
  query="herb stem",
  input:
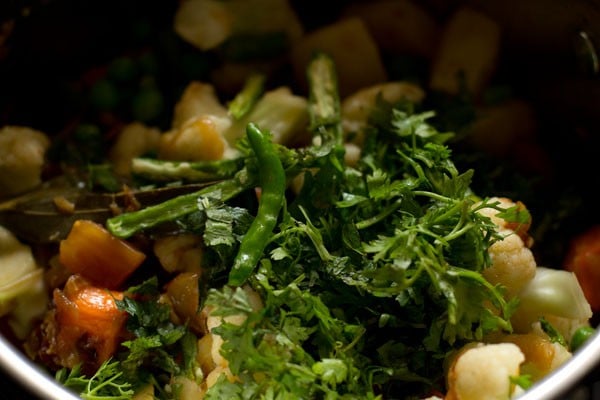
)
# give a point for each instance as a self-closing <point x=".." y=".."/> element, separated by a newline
<point x="366" y="223"/>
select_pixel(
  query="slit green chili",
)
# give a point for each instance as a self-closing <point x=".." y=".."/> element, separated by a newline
<point x="271" y="179"/>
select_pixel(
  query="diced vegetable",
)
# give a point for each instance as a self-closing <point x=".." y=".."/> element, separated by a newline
<point x="198" y="139"/>
<point x="16" y="258"/>
<point x="136" y="139"/>
<point x="499" y="128"/>
<point x="470" y="45"/>
<point x="551" y="292"/>
<point x="583" y="259"/>
<point x="22" y="153"/>
<point x="88" y="324"/>
<point x="197" y="99"/>
<point x="280" y="112"/>
<point x="357" y="107"/>
<point x="541" y="354"/>
<point x="205" y="24"/>
<point x="184" y="295"/>
<point x="350" y="45"/>
<point x="483" y="372"/>
<point x="23" y="294"/>
<point x="208" y="23"/>
<point x="91" y="251"/>
<point x="399" y="27"/>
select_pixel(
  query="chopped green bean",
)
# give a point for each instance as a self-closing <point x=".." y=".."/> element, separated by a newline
<point x="126" y="225"/>
<point x="247" y="97"/>
<point x="199" y="171"/>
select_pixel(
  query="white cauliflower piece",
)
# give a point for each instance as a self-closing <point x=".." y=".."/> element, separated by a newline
<point x="22" y="151"/>
<point x="198" y="127"/>
<point x="199" y="139"/>
<point x="22" y="291"/>
<point x="197" y="99"/>
<point x="491" y="213"/>
<point x="513" y="264"/>
<point x="520" y="229"/>
<point x="553" y="294"/>
<point x="133" y="141"/>
<point x="483" y="372"/>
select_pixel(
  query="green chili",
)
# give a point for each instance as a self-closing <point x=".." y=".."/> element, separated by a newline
<point x="271" y="180"/>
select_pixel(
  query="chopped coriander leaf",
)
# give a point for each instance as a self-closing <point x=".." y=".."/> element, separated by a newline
<point x="107" y="383"/>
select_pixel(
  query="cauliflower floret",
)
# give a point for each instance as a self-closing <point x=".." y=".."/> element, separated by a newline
<point x="198" y="127"/>
<point x="483" y="372"/>
<point x="197" y="99"/>
<point x="134" y="140"/>
<point x="542" y="355"/>
<point x="491" y="213"/>
<point x="199" y="139"/>
<point x="513" y="264"/>
<point x="520" y="229"/>
<point x="22" y="153"/>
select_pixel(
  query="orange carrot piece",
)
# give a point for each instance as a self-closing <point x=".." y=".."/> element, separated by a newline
<point x="583" y="259"/>
<point x="89" y="324"/>
<point x="91" y="251"/>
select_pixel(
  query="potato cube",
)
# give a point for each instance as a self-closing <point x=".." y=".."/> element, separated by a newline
<point x="470" y="45"/>
<point x="398" y="26"/>
<point x="353" y="50"/>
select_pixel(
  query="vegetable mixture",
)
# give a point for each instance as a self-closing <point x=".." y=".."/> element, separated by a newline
<point x="304" y="226"/>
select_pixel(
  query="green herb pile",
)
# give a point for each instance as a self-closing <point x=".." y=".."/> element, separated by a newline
<point x="370" y="275"/>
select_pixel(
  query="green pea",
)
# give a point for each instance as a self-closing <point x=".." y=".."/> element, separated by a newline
<point x="147" y="104"/>
<point x="580" y="336"/>
<point x="104" y="95"/>
<point x="122" y="69"/>
<point x="87" y="132"/>
<point x="148" y="63"/>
